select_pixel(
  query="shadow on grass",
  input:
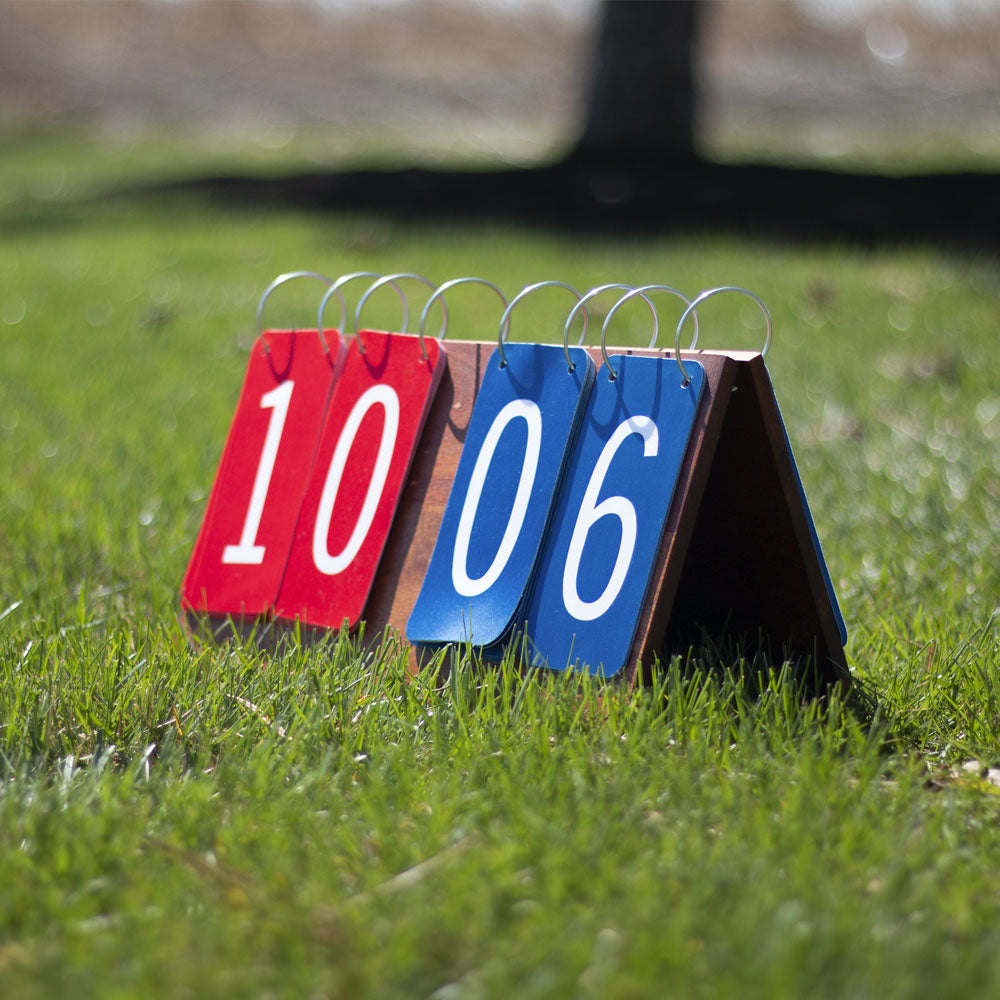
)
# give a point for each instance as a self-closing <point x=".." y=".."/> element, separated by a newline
<point x="602" y="195"/>
<point x="730" y="690"/>
<point x="756" y="666"/>
<point x="752" y="661"/>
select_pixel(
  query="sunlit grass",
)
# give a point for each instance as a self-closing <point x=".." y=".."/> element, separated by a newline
<point x="182" y="819"/>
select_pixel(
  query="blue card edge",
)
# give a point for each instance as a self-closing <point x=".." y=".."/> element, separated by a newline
<point x="814" y="534"/>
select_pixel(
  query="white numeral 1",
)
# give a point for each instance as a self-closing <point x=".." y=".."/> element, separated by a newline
<point x="463" y="583"/>
<point x="591" y="512"/>
<point x="246" y="551"/>
<point x="378" y="395"/>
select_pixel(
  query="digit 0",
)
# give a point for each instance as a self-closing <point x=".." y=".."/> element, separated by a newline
<point x="378" y="395"/>
<point x="503" y="495"/>
<point x="370" y="432"/>
<point x="528" y="411"/>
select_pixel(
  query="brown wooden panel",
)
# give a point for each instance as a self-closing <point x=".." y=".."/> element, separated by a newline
<point x="828" y="637"/>
<point x="751" y="568"/>
<point x="411" y="541"/>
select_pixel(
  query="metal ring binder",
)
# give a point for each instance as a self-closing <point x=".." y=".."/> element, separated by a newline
<point x="334" y="289"/>
<point x="439" y="292"/>
<point x="641" y="290"/>
<point x="527" y="290"/>
<point x="387" y="280"/>
<point x="702" y="297"/>
<point x="280" y="280"/>
<point x="591" y="294"/>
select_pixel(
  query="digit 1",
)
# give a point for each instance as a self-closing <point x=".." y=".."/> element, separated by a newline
<point x="463" y="583"/>
<point x="246" y="552"/>
<point x="385" y="396"/>
<point x="591" y="512"/>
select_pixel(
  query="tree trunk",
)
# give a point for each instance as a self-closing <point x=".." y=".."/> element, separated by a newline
<point x="641" y="104"/>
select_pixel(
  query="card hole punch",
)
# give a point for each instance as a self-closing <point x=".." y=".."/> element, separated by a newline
<point x="335" y="289"/>
<point x="391" y="279"/>
<point x="642" y="291"/>
<point x="438" y="292"/>
<point x="277" y="283"/>
<point x="592" y="293"/>
<point x="504" y="328"/>
<point x="704" y="296"/>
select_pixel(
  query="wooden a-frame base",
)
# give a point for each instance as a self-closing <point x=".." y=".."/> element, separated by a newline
<point x="738" y="555"/>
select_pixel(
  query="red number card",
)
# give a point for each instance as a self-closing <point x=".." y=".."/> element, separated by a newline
<point x="242" y="548"/>
<point x="376" y="414"/>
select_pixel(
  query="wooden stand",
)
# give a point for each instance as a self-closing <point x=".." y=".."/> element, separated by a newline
<point x="737" y="555"/>
<point x="421" y="507"/>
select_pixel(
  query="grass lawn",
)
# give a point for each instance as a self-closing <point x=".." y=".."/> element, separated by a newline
<point x="181" y="822"/>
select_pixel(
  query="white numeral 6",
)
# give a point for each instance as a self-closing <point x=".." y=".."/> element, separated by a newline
<point x="591" y="512"/>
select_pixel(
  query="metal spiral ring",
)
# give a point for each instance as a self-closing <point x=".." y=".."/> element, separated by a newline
<point x="504" y="327"/>
<point x="701" y="297"/>
<point x="596" y="291"/>
<point x="391" y="279"/>
<point x="641" y="291"/>
<point x="280" y="280"/>
<point x="334" y="289"/>
<point x="438" y="293"/>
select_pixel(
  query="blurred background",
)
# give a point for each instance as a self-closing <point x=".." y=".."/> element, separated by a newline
<point x="912" y="84"/>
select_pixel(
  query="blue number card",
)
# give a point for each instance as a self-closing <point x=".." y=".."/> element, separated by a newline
<point x="814" y="536"/>
<point x="522" y="431"/>
<point x="595" y="569"/>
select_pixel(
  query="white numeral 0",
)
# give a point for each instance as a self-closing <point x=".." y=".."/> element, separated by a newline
<point x="246" y="551"/>
<point x="529" y="412"/>
<point x="380" y="395"/>
<point x="591" y="512"/>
